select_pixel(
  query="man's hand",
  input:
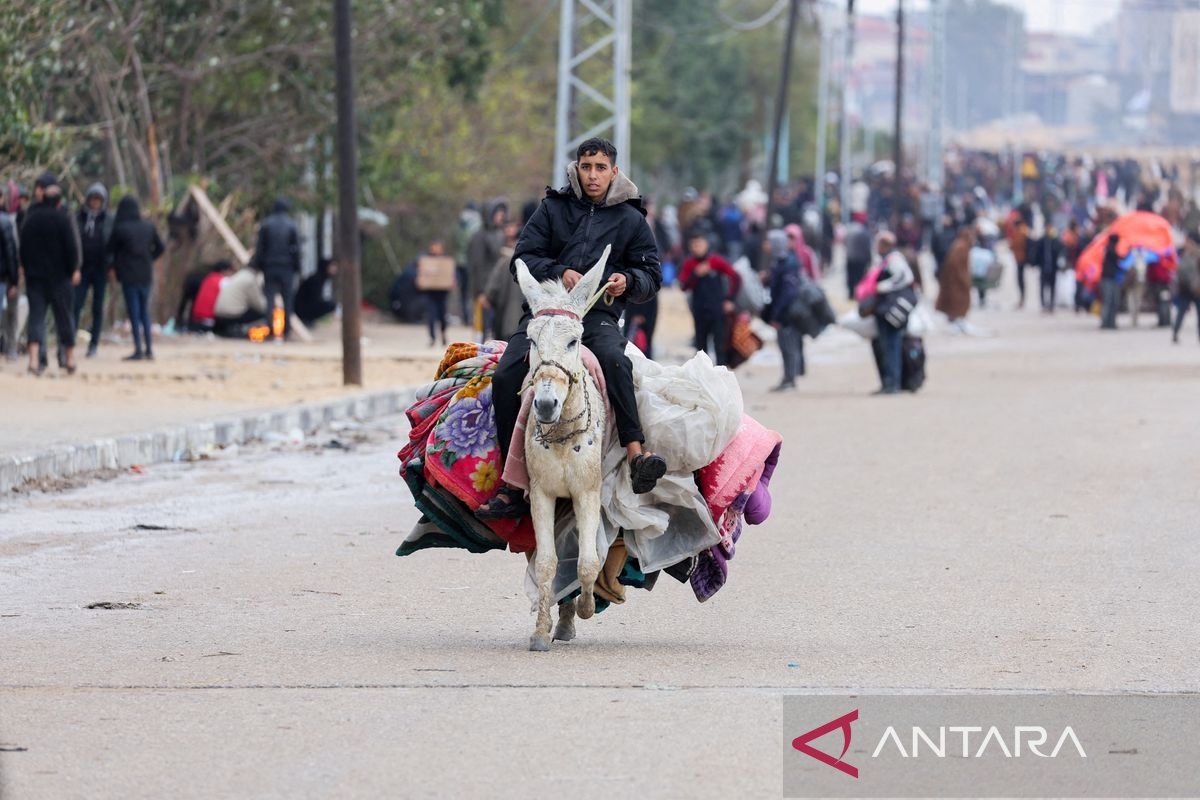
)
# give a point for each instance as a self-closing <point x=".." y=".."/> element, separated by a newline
<point x="617" y="284"/>
<point x="570" y="278"/>
<point x="76" y="278"/>
<point x="730" y="307"/>
<point x="12" y="292"/>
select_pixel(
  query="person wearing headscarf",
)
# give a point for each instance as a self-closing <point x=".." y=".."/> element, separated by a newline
<point x="954" y="286"/>
<point x="133" y="248"/>
<point x="804" y="254"/>
<point x="783" y="279"/>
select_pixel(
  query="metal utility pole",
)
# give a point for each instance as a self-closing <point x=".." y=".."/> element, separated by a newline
<point x="785" y="78"/>
<point x="844" y="135"/>
<point x="898" y="140"/>
<point x="615" y="18"/>
<point x="823" y="71"/>
<point x="937" y="14"/>
<point x="347" y="239"/>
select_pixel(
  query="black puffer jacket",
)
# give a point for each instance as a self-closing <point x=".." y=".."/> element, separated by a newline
<point x="134" y="245"/>
<point x="10" y="261"/>
<point x="569" y="232"/>
<point x="49" y="249"/>
<point x="277" y="248"/>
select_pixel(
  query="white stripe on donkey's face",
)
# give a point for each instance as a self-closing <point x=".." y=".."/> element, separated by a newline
<point x="566" y="464"/>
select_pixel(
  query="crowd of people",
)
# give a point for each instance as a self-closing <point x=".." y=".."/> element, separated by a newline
<point x="59" y="257"/>
<point x="54" y="258"/>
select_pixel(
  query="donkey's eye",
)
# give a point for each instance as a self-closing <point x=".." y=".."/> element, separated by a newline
<point x="572" y="343"/>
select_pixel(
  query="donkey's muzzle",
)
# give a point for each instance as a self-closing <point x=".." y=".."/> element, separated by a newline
<point x="546" y="409"/>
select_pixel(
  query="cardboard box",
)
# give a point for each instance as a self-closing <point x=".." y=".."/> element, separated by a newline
<point x="435" y="273"/>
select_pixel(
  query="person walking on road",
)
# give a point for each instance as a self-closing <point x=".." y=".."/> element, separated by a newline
<point x="1188" y="276"/>
<point x="482" y="252"/>
<point x="95" y="226"/>
<point x="783" y="278"/>
<point x="436" y="300"/>
<point x="713" y="284"/>
<point x="133" y="248"/>
<point x="1046" y="253"/>
<point x="894" y="300"/>
<point x="49" y="254"/>
<point x="277" y="257"/>
<point x="501" y="293"/>
<point x="1110" y="289"/>
<point x="954" y="285"/>
<point x="858" y="251"/>
<point x="10" y="279"/>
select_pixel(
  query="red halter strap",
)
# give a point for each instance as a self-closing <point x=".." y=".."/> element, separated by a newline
<point x="557" y="312"/>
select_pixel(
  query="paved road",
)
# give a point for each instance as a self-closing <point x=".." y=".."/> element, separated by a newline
<point x="1027" y="522"/>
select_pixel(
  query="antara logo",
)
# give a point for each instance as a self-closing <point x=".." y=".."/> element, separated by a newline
<point x="1033" y="737"/>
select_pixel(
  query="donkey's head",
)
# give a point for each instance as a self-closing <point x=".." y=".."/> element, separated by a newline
<point x="554" y="335"/>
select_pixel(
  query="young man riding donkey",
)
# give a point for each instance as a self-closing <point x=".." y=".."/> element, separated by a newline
<point x="566" y="236"/>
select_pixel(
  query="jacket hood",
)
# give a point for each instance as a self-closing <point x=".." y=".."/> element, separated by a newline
<point x="281" y="207"/>
<point x="97" y="189"/>
<point x="128" y="209"/>
<point x="622" y="189"/>
<point x="777" y="240"/>
<point x="489" y="208"/>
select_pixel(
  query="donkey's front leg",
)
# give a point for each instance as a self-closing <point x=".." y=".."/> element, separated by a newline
<point x="587" y="516"/>
<point x="545" y="564"/>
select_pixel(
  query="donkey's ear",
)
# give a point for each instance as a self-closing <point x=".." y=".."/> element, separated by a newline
<point x="590" y="282"/>
<point x="529" y="286"/>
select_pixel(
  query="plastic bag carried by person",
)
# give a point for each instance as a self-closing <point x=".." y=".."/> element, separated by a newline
<point x="865" y="327"/>
<point x="752" y="295"/>
<point x="920" y="321"/>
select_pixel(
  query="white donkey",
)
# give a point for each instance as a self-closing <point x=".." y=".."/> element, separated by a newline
<point x="564" y="440"/>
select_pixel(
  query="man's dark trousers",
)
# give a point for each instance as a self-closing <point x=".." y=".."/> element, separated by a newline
<point x="283" y="284"/>
<point x="603" y="337"/>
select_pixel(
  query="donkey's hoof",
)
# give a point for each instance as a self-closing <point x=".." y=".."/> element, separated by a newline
<point x="564" y="633"/>
<point x="539" y="643"/>
<point x="585" y="606"/>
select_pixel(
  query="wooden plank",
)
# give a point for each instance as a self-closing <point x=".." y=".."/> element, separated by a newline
<point x="218" y="221"/>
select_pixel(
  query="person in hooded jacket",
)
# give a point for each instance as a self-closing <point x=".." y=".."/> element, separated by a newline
<point x="133" y="248"/>
<point x="482" y="251"/>
<point x="277" y="257"/>
<point x="784" y="277"/>
<point x="565" y="238"/>
<point x="10" y="278"/>
<point x="95" y="226"/>
<point x="49" y="252"/>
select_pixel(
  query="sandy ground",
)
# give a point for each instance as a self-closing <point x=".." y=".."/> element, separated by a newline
<point x="1028" y="521"/>
<point x="195" y="378"/>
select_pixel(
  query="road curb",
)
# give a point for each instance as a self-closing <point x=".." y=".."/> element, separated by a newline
<point x="181" y="443"/>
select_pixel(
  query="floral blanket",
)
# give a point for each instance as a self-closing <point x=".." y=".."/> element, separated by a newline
<point x="452" y="459"/>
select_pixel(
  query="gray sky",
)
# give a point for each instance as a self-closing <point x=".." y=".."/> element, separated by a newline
<point x="1070" y="16"/>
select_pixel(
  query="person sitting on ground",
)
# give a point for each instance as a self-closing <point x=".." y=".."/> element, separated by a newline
<point x="317" y="296"/>
<point x="240" y="303"/>
<point x="202" y="317"/>
<point x="565" y="238"/>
